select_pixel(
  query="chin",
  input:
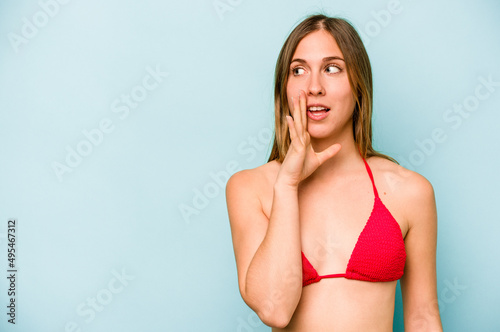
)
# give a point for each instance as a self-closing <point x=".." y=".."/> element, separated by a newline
<point x="319" y="133"/>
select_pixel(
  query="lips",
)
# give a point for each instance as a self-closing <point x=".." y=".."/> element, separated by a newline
<point x="317" y="116"/>
<point x="317" y="108"/>
<point x="317" y="112"/>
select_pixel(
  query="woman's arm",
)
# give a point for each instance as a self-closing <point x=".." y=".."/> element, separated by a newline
<point x="418" y="284"/>
<point x="267" y="252"/>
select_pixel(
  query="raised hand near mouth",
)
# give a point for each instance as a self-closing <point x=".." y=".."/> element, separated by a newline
<point x="301" y="160"/>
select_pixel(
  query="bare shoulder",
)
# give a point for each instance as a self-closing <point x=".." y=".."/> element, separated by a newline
<point x="401" y="181"/>
<point x="408" y="191"/>
<point x="252" y="182"/>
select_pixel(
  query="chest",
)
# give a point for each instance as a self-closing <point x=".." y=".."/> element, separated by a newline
<point x="332" y="217"/>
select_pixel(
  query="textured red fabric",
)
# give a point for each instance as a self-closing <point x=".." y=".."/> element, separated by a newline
<point x="379" y="253"/>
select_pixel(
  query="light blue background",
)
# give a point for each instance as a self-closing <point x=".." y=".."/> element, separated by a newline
<point x="120" y="208"/>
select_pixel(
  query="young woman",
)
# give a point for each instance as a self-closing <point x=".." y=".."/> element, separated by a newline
<point x="324" y="230"/>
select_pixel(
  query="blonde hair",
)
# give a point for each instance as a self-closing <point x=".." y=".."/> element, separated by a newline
<point x="360" y="79"/>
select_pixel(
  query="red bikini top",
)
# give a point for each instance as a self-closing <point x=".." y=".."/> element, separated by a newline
<point x="379" y="253"/>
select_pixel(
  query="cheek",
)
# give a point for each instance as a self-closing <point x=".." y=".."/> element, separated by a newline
<point x="343" y="93"/>
<point x="291" y="91"/>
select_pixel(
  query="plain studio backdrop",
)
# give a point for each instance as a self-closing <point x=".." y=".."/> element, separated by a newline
<point x="121" y="121"/>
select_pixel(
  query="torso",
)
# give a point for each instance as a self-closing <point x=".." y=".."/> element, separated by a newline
<point x="332" y="215"/>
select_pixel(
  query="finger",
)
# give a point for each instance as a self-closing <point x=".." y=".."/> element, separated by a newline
<point x="297" y="118"/>
<point x="303" y="109"/>
<point x="327" y="153"/>
<point x="291" y="127"/>
<point x="291" y="122"/>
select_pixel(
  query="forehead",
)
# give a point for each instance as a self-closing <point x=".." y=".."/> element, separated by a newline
<point x="317" y="45"/>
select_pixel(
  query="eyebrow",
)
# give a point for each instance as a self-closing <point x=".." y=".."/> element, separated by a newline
<point x="328" y="58"/>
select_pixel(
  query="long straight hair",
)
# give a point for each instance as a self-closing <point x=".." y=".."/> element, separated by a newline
<point x="359" y="74"/>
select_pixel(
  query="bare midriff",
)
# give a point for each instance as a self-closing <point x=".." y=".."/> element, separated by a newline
<point x="344" y="305"/>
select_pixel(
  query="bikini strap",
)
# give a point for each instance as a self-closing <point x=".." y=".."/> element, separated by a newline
<point x="371" y="177"/>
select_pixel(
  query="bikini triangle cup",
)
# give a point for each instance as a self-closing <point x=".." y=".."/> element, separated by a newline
<point x="379" y="253"/>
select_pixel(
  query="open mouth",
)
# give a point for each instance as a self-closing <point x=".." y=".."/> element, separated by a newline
<point x="317" y="110"/>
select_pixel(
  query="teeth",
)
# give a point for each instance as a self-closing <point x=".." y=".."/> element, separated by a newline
<point x="316" y="108"/>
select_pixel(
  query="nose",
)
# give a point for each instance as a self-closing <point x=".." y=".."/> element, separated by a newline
<point x="315" y="87"/>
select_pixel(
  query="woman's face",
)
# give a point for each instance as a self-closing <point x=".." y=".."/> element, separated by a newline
<point x="318" y="69"/>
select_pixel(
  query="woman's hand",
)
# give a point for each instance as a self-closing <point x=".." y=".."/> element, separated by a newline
<point x="301" y="160"/>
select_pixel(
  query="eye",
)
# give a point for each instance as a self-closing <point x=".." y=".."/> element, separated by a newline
<point x="332" y="69"/>
<point x="297" y="71"/>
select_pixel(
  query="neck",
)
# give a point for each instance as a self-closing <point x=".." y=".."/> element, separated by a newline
<point x="347" y="158"/>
